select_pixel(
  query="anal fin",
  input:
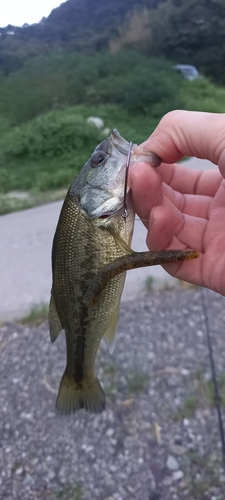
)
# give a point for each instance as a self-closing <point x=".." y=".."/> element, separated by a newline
<point x="110" y="333"/>
<point x="55" y="326"/>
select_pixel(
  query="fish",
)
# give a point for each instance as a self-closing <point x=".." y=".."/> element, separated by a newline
<point x="91" y="252"/>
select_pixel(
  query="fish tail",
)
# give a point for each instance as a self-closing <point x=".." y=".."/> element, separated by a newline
<point x="73" y="395"/>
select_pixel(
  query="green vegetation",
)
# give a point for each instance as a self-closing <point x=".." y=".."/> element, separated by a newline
<point x="149" y="282"/>
<point x="187" y="31"/>
<point x="136" y="82"/>
<point x="136" y="382"/>
<point x="42" y="149"/>
<point x="201" y="397"/>
<point x="209" y="474"/>
<point x="37" y="316"/>
<point x="12" y="201"/>
<point x="68" y="494"/>
<point x="191" y="32"/>
<point x="56" y="73"/>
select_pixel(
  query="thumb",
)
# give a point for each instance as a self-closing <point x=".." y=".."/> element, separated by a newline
<point x="189" y="133"/>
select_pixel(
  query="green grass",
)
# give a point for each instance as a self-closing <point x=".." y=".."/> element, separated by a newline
<point x="68" y="494"/>
<point x="13" y="203"/>
<point x="198" y="487"/>
<point x="110" y="370"/>
<point x="36" y="316"/>
<point x="188" y="409"/>
<point x="201" y="397"/>
<point x="136" y="382"/>
<point x="149" y="280"/>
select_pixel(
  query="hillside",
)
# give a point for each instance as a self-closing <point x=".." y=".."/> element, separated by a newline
<point x="186" y="31"/>
<point x="84" y="25"/>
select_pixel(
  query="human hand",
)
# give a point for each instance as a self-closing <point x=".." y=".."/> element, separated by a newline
<point x="185" y="208"/>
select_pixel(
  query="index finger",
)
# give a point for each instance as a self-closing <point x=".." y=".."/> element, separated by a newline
<point x="189" y="133"/>
<point x="188" y="181"/>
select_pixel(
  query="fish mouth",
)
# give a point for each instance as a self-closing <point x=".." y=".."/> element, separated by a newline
<point x="121" y="144"/>
<point x="111" y="213"/>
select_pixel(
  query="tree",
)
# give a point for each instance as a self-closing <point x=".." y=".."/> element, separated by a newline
<point x="192" y="31"/>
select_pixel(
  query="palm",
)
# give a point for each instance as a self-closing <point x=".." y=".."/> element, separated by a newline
<point x="212" y="266"/>
<point x="189" y="213"/>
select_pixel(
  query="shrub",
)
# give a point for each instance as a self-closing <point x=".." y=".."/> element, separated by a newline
<point x="202" y="95"/>
<point x="54" y="134"/>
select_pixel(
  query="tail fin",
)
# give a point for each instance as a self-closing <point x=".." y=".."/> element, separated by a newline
<point x="87" y="394"/>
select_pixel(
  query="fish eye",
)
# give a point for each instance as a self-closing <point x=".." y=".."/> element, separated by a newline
<point x="98" y="158"/>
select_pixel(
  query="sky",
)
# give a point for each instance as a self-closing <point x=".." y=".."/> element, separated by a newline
<point x="19" y="12"/>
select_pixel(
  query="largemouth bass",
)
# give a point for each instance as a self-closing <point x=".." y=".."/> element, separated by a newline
<point x="90" y="255"/>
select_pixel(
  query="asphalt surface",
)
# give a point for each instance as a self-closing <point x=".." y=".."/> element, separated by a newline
<point x="25" y="258"/>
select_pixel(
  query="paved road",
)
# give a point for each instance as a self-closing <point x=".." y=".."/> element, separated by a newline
<point x="25" y="249"/>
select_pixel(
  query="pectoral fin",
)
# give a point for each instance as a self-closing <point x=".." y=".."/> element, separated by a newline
<point x="55" y="326"/>
<point x="120" y="242"/>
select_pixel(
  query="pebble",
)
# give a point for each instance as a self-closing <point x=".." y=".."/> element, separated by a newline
<point x="177" y="449"/>
<point x="177" y="475"/>
<point x="172" y="463"/>
<point x="120" y="457"/>
<point x="51" y="474"/>
<point x="110" y="432"/>
<point x="19" y="471"/>
<point x="185" y="372"/>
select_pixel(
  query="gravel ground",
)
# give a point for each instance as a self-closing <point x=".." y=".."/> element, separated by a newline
<point x="158" y="438"/>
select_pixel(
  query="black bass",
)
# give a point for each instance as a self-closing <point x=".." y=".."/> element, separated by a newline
<point x="90" y="236"/>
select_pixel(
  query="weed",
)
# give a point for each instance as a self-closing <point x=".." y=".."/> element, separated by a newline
<point x="69" y="493"/>
<point x="149" y="282"/>
<point x="137" y="382"/>
<point x="36" y="316"/>
<point x="198" y="486"/>
<point x="188" y="409"/>
<point x="202" y="397"/>
<point x="109" y="370"/>
<point x="190" y="406"/>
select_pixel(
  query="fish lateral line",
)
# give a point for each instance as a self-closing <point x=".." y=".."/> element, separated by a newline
<point x="132" y="261"/>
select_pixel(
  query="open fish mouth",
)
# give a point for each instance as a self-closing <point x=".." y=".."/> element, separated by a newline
<point x="111" y="213"/>
<point x="121" y="144"/>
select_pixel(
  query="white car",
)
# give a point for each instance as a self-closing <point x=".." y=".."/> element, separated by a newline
<point x="189" y="72"/>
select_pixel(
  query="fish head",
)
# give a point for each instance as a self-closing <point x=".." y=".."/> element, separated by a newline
<point x="100" y="184"/>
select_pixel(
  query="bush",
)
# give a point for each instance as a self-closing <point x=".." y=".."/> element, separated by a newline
<point x="202" y="95"/>
<point x="30" y="154"/>
<point x="54" y="134"/>
<point x="150" y="89"/>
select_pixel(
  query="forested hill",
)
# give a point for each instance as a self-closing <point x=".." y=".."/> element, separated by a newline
<point x="185" y="31"/>
<point x="84" y="25"/>
<point x="82" y="21"/>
